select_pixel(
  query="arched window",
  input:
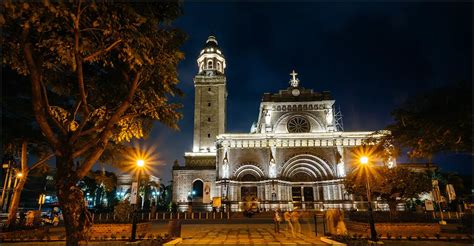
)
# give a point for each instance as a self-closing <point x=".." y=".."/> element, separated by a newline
<point x="209" y="65"/>
<point x="219" y="66"/>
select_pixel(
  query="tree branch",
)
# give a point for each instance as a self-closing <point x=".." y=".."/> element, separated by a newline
<point x="46" y="102"/>
<point x="38" y="106"/>
<point x="40" y="162"/>
<point x="85" y="148"/>
<point x="107" y="132"/>
<point x="100" y="52"/>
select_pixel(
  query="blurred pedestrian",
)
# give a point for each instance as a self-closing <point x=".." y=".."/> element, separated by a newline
<point x="56" y="220"/>
<point x="277" y="220"/>
<point x="30" y="218"/>
<point x="22" y="218"/>
<point x="289" y="226"/>
<point x="295" y="220"/>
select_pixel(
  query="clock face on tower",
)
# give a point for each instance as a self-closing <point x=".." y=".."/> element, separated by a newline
<point x="295" y="92"/>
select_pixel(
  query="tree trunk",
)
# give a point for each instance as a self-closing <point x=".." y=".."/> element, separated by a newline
<point x="19" y="186"/>
<point x="77" y="220"/>
<point x="15" y="202"/>
<point x="392" y="205"/>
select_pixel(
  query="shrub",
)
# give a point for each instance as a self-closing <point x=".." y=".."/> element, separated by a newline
<point x="384" y="217"/>
<point x="122" y="210"/>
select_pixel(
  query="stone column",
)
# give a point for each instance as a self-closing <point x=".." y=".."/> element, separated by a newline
<point x="303" y="206"/>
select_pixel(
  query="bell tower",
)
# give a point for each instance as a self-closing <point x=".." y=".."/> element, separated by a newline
<point x="210" y="97"/>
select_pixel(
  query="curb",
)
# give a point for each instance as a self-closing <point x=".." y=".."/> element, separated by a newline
<point x="174" y="241"/>
<point x="332" y="242"/>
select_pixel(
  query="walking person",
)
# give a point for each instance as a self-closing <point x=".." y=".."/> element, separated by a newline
<point x="289" y="226"/>
<point x="277" y="220"/>
<point x="295" y="220"/>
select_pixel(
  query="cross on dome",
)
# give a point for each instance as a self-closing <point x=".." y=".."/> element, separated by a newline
<point x="294" y="81"/>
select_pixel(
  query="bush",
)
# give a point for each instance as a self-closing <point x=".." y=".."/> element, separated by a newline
<point x="384" y="217"/>
<point x="122" y="210"/>
<point x="467" y="221"/>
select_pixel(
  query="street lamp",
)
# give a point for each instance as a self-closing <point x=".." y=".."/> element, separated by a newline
<point x="364" y="161"/>
<point x="140" y="164"/>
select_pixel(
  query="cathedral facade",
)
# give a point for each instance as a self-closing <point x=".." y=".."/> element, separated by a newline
<point x="295" y="155"/>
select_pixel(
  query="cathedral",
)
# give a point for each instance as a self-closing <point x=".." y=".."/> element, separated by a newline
<point x="296" y="155"/>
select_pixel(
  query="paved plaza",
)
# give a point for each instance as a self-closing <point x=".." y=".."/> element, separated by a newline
<point x="256" y="234"/>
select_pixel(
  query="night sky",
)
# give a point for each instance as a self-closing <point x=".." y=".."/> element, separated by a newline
<point x="371" y="56"/>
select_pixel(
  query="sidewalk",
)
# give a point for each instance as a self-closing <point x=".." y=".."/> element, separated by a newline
<point x="252" y="234"/>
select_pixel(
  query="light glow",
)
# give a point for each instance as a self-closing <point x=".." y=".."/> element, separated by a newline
<point x="140" y="163"/>
<point x="364" y="160"/>
<point x="19" y="175"/>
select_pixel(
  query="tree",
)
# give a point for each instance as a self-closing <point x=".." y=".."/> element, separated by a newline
<point x="99" y="185"/>
<point x="436" y="121"/>
<point x="389" y="184"/>
<point x="20" y="137"/>
<point x="100" y="73"/>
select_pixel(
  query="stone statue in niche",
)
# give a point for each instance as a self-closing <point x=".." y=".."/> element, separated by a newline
<point x="329" y="116"/>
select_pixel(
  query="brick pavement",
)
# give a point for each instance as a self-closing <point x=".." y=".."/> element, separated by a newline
<point x="241" y="234"/>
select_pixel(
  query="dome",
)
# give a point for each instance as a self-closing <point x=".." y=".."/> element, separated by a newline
<point x="211" y="47"/>
<point x="211" y="61"/>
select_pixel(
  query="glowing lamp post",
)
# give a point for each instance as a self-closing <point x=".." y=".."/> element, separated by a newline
<point x="364" y="160"/>
<point x="140" y="164"/>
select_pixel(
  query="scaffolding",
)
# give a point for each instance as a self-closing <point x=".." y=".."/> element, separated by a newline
<point x="338" y="119"/>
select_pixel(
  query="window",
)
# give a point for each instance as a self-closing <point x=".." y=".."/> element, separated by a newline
<point x="218" y="66"/>
<point x="208" y="104"/>
<point x="209" y="65"/>
<point x="208" y="135"/>
<point x="298" y="124"/>
<point x="209" y="89"/>
<point x="209" y="119"/>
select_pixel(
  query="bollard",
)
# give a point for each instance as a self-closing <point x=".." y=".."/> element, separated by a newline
<point x="106" y="216"/>
<point x="199" y="215"/>
<point x="457" y="215"/>
<point x="142" y="216"/>
<point x="324" y="225"/>
<point x="207" y="215"/>
<point x="434" y="215"/>
<point x="93" y="217"/>
<point x="315" y="225"/>
<point x="171" y="215"/>
<point x="156" y="216"/>
<point x="214" y="215"/>
<point x="228" y="215"/>
<point x="449" y="215"/>
<point x="100" y="217"/>
<point x="192" y="215"/>
<point x="221" y="215"/>
<point x="149" y="216"/>
<point x="164" y="216"/>
<point x="177" y="215"/>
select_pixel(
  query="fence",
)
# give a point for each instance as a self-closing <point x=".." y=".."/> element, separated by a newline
<point x="163" y="216"/>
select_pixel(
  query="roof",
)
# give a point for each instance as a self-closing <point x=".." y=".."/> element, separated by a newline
<point x="305" y="95"/>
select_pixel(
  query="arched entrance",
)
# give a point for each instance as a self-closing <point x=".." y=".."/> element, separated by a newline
<point x="197" y="191"/>
<point x="248" y="192"/>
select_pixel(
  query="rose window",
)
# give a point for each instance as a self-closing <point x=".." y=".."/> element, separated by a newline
<point x="298" y="124"/>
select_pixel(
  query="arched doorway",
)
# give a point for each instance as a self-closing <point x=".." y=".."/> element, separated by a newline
<point x="197" y="191"/>
<point x="308" y="196"/>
